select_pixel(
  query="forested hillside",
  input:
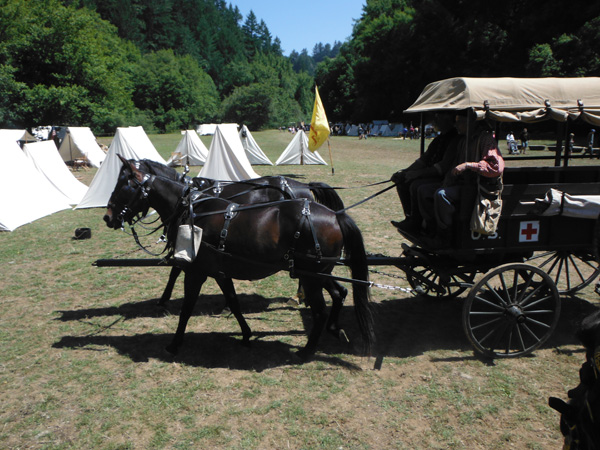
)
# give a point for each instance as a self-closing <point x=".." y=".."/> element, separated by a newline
<point x="398" y="46"/>
<point x="164" y="64"/>
<point x="171" y="64"/>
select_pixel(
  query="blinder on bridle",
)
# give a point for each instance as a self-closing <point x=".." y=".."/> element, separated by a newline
<point x="132" y="198"/>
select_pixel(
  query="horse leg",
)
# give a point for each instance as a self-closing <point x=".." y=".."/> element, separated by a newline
<point x="313" y="290"/>
<point x="231" y="298"/>
<point x="338" y="294"/>
<point x="192" y="284"/>
<point x="175" y="271"/>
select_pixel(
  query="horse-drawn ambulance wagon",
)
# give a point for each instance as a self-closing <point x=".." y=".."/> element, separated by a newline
<point x="545" y="243"/>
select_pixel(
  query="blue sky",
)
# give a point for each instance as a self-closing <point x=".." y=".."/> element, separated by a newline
<point x="305" y="23"/>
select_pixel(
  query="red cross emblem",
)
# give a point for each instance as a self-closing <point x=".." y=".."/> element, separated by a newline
<point x="529" y="231"/>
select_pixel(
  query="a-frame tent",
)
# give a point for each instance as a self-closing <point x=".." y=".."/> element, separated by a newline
<point x="131" y="143"/>
<point x="26" y="194"/>
<point x="386" y="131"/>
<point x="190" y="150"/>
<point x="19" y="136"/>
<point x="45" y="158"/>
<point x="297" y="152"/>
<point x="227" y="160"/>
<point x="80" y="143"/>
<point x="253" y="151"/>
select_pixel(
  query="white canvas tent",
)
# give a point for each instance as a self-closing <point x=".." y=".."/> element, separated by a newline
<point x="253" y="151"/>
<point x="297" y="152"/>
<point x="80" y="143"/>
<point x="227" y="160"/>
<point x="16" y="135"/>
<point x="45" y="158"/>
<point x="131" y="143"/>
<point x="190" y="150"/>
<point x="26" y="194"/>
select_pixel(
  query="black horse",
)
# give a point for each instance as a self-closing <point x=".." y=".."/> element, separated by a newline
<point x="257" y="190"/>
<point x="259" y="240"/>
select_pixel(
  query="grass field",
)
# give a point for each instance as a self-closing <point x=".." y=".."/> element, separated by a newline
<point x="83" y="366"/>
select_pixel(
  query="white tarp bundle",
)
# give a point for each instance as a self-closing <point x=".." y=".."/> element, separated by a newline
<point x="26" y="194"/>
<point x="131" y="143"/>
<point x="297" y="152"/>
<point x="80" y="143"/>
<point x="560" y="203"/>
<point x="227" y="160"/>
<point x="253" y="151"/>
<point x="190" y="150"/>
<point x="48" y="162"/>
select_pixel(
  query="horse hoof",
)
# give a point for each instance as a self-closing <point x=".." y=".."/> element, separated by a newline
<point x="246" y="342"/>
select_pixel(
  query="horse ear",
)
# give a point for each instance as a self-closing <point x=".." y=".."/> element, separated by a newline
<point x="135" y="170"/>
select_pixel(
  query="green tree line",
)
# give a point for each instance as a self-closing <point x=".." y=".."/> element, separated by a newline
<point x="163" y="64"/>
<point x="171" y="64"/>
<point x="398" y="46"/>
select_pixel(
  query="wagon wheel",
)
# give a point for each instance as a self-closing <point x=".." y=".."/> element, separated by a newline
<point x="570" y="271"/>
<point x="421" y="278"/>
<point x="511" y="311"/>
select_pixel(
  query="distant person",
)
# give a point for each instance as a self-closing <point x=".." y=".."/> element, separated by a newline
<point x="571" y="144"/>
<point x="511" y="143"/>
<point x="590" y="142"/>
<point x="524" y="137"/>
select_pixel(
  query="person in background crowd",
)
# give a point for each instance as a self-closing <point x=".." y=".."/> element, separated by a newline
<point x="524" y="137"/>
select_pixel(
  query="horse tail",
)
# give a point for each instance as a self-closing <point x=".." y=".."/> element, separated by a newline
<point x="326" y="195"/>
<point x="356" y="257"/>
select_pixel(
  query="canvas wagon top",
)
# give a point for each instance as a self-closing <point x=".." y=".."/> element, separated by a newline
<point x="515" y="99"/>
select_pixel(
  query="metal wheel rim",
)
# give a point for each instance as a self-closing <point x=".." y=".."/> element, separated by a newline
<point x="511" y="311"/>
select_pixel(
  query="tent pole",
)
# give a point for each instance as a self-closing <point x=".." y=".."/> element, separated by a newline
<point x="422" y="129"/>
<point x="330" y="158"/>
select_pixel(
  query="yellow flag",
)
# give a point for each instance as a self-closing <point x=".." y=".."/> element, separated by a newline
<point x="319" y="127"/>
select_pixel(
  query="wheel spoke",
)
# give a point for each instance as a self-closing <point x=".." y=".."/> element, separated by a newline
<point x="526" y="306"/>
<point x="537" y="322"/>
<point x="496" y="294"/>
<point x="485" y="324"/>
<point x="487" y="302"/>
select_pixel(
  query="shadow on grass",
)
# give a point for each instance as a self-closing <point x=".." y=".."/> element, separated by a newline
<point x="206" y="305"/>
<point x="405" y="327"/>
<point x="409" y="327"/>
<point x="208" y="350"/>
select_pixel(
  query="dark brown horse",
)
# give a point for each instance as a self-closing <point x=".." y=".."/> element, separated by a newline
<point x="258" y="241"/>
<point x="258" y="190"/>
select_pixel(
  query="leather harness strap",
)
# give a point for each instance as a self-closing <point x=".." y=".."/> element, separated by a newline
<point x="230" y="213"/>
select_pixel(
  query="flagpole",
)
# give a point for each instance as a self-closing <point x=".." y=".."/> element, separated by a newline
<point x="330" y="158"/>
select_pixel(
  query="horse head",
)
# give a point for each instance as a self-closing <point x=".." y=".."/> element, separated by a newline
<point x="129" y="196"/>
